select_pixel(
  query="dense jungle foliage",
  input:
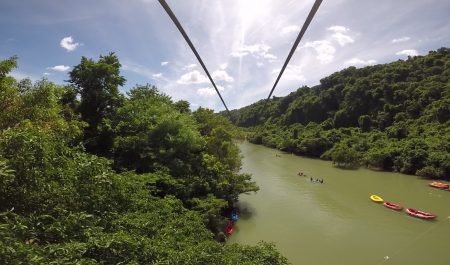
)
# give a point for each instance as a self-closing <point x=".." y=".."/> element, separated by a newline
<point x="392" y="117"/>
<point x="91" y="176"/>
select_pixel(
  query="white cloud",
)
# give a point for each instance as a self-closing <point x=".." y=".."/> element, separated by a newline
<point x="292" y="73"/>
<point x="164" y="63"/>
<point x="69" y="44"/>
<point x="269" y="56"/>
<point x="222" y="75"/>
<point x="223" y="66"/>
<point x="325" y="51"/>
<point x="259" y="64"/>
<point x="259" y="50"/>
<point x="193" y="77"/>
<point x="190" y="66"/>
<point x="409" y="52"/>
<point x="356" y="61"/>
<point x="339" y="35"/>
<point x="143" y="71"/>
<point x="342" y="39"/>
<point x="19" y="75"/>
<point x="402" y="39"/>
<point x="238" y="54"/>
<point x="209" y="91"/>
<point x="59" y="68"/>
<point x="289" y="29"/>
<point x="338" y="29"/>
<point x="46" y="73"/>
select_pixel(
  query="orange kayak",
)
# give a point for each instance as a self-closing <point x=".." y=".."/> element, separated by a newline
<point x="439" y="185"/>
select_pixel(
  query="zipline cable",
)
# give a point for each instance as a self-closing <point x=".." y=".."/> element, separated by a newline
<point x="308" y="20"/>
<point x="186" y="37"/>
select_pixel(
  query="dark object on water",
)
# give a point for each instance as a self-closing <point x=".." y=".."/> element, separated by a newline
<point x="220" y="237"/>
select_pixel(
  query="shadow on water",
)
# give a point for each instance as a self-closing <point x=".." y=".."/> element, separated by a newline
<point x="245" y="210"/>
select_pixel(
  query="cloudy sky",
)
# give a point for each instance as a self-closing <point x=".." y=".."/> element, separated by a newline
<point x="242" y="42"/>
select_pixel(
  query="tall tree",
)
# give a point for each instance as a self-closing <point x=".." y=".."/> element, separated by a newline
<point x="7" y="65"/>
<point x="97" y="83"/>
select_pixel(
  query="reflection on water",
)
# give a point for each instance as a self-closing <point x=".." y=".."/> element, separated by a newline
<point x="335" y="222"/>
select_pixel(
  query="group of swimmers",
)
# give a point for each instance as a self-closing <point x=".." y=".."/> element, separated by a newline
<point x="317" y="180"/>
<point x="312" y="180"/>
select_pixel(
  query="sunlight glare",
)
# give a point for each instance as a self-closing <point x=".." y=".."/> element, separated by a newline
<point x="251" y="11"/>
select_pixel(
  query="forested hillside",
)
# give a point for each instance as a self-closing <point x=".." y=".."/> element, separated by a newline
<point x="91" y="176"/>
<point x="393" y="117"/>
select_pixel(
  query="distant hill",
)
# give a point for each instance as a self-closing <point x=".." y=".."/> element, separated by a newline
<point x="394" y="116"/>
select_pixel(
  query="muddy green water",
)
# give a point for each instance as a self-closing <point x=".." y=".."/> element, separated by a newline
<point x="336" y="222"/>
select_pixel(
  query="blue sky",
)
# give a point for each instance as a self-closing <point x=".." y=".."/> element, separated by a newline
<point x="242" y="42"/>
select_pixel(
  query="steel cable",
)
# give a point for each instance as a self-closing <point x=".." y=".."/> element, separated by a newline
<point x="186" y="37"/>
<point x="308" y="20"/>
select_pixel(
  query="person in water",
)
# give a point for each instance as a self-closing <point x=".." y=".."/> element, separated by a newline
<point x="321" y="181"/>
<point x="311" y="179"/>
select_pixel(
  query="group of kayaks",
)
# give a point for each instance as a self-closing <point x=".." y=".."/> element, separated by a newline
<point x="410" y="211"/>
<point x="230" y="227"/>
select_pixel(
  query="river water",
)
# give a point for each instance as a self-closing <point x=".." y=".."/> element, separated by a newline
<point x="336" y="222"/>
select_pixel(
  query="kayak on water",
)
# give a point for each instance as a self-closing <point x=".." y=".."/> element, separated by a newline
<point x="376" y="198"/>
<point x="234" y="216"/>
<point x="420" y="214"/>
<point x="392" y="206"/>
<point x="229" y="229"/>
<point x="439" y="185"/>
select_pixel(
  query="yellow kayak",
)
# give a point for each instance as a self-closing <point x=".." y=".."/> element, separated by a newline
<point x="376" y="198"/>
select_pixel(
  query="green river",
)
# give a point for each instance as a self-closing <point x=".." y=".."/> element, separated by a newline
<point x="336" y="222"/>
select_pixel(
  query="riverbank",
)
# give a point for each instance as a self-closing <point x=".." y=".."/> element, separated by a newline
<point x="393" y="156"/>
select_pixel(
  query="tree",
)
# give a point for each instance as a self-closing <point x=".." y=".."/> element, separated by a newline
<point x="344" y="156"/>
<point x="151" y="134"/>
<point x="97" y="83"/>
<point x="9" y="94"/>
<point x="182" y="106"/>
<point x="364" y="123"/>
<point x="6" y="66"/>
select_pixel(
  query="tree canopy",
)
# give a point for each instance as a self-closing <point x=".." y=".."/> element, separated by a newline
<point x="97" y="83"/>
<point x="394" y="116"/>
<point x="153" y="189"/>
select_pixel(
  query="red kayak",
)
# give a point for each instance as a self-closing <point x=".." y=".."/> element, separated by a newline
<point x="229" y="229"/>
<point x="392" y="206"/>
<point x="420" y="214"/>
